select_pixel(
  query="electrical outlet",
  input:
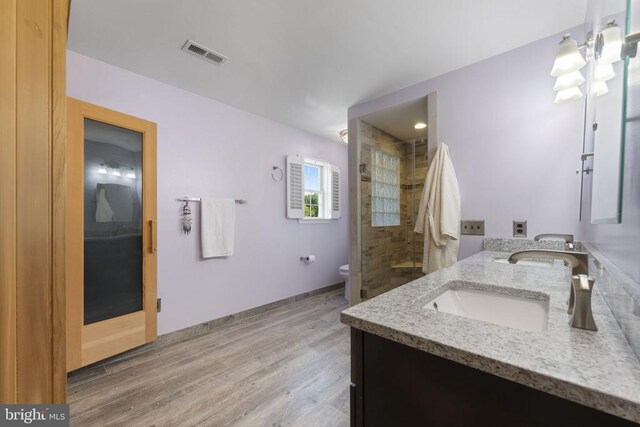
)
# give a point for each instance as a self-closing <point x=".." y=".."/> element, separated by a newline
<point x="520" y="228"/>
<point x="472" y="227"/>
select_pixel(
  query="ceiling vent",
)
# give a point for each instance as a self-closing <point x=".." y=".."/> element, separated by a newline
<point x="203" y="52"/>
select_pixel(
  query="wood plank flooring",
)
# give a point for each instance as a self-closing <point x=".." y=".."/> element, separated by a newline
<point x="288" y="366"/>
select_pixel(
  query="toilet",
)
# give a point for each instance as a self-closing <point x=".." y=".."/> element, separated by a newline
<point x="344" y="273"/>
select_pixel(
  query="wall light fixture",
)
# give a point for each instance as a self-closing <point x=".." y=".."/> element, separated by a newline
<point x="568" y="57"/>
<point x="344" y="134"/>
<point x="606" y="48"/>
<point x="115" y="169"/>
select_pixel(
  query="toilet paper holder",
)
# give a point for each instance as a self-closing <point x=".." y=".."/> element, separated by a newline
<point x="308" y="259"/>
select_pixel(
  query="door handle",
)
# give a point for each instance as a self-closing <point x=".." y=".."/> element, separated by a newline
<point x="153" y="236"/>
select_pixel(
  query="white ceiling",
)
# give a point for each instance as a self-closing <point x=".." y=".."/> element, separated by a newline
<point x="399" y="121"/>
<point x="304" y="62"/>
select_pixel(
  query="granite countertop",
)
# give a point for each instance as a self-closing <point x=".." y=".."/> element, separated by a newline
<point x="597" y="369"/>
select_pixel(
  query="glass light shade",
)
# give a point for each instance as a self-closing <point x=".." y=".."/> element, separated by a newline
<point x="420" y="125"/>
<point x="603" y="72"/>
<point x="611" y="44"/>
<point x="344" y="134"/>
<point x="131" y="174"/>
<point x="102" y="168"/>
<point x="568" y="95"/>
<point x="600" y="88"/>
<point x="568" y="58"/>
<point x="115" y="172"/>
<point x="568" y="81"/>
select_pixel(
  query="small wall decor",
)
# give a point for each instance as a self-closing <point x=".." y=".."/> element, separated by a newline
<point x="185" y="218"/>
<point x="185" y="211"/>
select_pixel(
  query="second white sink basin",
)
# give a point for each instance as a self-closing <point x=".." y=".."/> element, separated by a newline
<point x="528" y="314"/>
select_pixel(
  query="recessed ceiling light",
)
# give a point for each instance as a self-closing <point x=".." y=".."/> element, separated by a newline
<point x="420" y="125"/>
<point x="344" y="134"/>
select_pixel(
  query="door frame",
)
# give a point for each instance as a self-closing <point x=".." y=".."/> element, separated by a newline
<point x="87" y="344"/>
<point x="355" y="186"/>
<point x="33" y="38"/>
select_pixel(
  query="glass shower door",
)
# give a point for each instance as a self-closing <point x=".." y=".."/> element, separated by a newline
<point x="392" y="175"/>
<point x="420" y="158"/>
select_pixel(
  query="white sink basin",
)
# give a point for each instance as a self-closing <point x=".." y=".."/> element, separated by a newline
<point x="528" y="314"/>
<point x="524" y="262"/>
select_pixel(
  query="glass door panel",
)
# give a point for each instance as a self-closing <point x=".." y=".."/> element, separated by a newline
<point x="419" y="173"/>
<point x="112" y="221"/>
<point x="391" y="178"/>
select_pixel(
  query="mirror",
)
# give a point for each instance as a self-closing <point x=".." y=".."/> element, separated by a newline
<point x="605" y="119"/>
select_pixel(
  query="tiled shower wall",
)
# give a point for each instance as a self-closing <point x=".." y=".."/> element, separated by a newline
<point x="388" y="246"/>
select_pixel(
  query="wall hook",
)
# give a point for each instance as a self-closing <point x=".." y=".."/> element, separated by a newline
<point x="277" y="174"/>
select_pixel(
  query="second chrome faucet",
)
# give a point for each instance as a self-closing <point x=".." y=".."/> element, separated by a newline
<point x="568" y="239"/>
<point x="581" y="285"/>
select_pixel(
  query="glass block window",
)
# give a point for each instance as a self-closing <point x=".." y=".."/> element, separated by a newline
<point x="385" y="189"/>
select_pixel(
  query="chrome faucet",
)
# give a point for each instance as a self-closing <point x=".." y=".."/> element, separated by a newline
<point x="579" y="262"/>
<point x="582" y="316"/>
<point x="568" y="239"/>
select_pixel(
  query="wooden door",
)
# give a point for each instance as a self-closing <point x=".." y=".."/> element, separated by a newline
<point x="111" y="233"/>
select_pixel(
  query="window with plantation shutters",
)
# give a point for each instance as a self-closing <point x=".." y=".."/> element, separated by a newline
<point x="335" y="192"/>
<point x="295" y="187"/>
<point x="313" y="190"/>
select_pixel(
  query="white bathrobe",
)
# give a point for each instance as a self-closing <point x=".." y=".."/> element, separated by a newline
<point x="439" y="213"/>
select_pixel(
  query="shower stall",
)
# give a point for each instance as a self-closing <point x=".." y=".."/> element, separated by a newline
<point x="391" y="174"/>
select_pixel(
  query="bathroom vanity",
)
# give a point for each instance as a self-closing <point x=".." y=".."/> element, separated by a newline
<point x="413" y="364"/>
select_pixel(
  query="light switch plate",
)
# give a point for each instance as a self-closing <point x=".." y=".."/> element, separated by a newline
<point x="520" y="228"/>
<point x="472" y="227"/>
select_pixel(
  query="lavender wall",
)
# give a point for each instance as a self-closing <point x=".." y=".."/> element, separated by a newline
<point x="514" y="150"/>
<point x="206" y="148"/>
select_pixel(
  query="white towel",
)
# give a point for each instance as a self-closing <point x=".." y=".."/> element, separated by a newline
<point x="115" y="203"/>
<point x="439" y="213"/>
<point x="217" y="227"/>
<point x="104" y="213"/>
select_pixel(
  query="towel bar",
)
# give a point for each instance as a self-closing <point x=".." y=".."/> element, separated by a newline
<point x="198" y="199"/>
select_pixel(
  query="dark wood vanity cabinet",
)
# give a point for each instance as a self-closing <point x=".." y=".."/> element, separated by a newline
<point x="397" y="385"/>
